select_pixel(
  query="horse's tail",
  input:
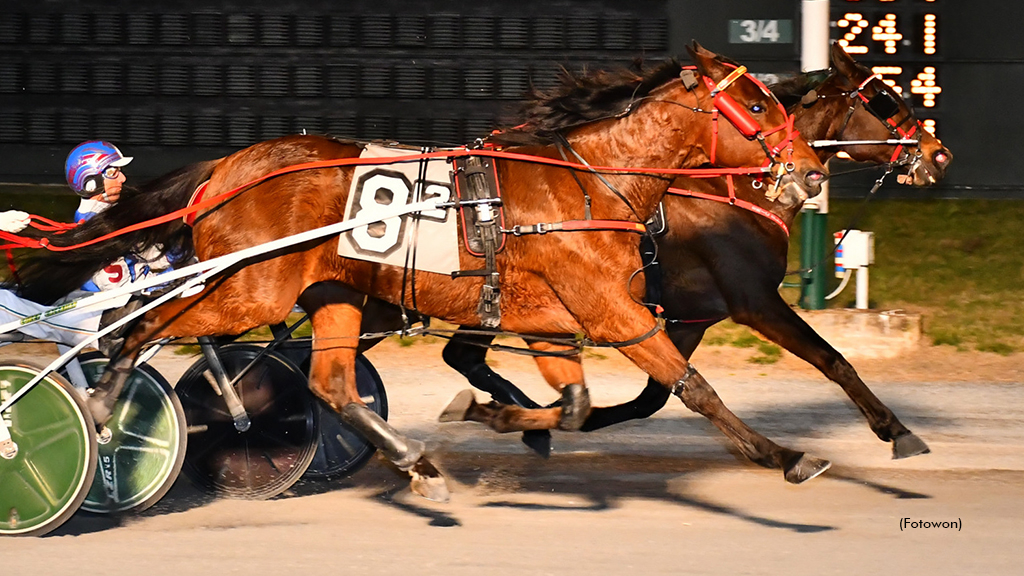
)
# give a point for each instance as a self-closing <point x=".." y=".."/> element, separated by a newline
<point x="45" y="276"/>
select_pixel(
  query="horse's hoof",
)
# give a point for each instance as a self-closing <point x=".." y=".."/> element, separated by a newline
<point x="539" y="441"/>
<point x="805" y="468"/>
<point x="458" y="408"/>
<point x="428" y="482"/>
<point x="575" y="407"/>
<point x="908" y="445"/>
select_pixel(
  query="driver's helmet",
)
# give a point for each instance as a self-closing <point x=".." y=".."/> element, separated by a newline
<point x="86" y="164"/>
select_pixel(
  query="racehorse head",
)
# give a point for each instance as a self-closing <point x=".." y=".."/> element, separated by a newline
<point x="674" y="117"/>
<point x="757" y="120"/>
<point x="861" y="106"/>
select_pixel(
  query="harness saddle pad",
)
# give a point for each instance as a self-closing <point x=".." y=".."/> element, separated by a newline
<point x="426" y="240"/>
<point x="476" y="178"/>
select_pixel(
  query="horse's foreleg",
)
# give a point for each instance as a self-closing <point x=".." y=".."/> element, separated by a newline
<point x="336" y="315"/>
<point x="699" y="396"/>
<point x="773" y="318"/>
<point x="659" y="357"/>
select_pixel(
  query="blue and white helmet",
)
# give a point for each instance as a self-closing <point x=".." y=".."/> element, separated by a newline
<point x="86" y="163"/>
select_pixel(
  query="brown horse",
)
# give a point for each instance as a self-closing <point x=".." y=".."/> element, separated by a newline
<point x="549" y="284"/>
<point x="718" y="260"/>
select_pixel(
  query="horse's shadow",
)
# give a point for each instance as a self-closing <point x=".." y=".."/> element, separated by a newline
<point x="501" y="480"/>
<point x="664" y="480"/>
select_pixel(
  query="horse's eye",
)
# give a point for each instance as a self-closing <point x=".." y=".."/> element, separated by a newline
<point x="757" y="109"/>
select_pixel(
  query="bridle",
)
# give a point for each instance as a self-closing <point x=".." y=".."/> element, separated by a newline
<point x="883" y="106"/>
<point x="778" y="159"/>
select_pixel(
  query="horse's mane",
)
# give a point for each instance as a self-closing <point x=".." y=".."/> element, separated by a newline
<point x="790" y="90"/>
<point x="45" y="276"/>
<point x="586" y="96"/>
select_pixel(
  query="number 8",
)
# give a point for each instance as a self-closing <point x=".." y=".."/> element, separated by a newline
<point x="369" y="204"/>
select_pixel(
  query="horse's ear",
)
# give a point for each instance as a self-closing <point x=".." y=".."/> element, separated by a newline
<point x="697" y="48"/>
<point x="708" y="62"/>
<point x="843" y="62"/>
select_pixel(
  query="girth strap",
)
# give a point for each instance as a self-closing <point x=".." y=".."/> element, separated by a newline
<point x="577" y="226"/>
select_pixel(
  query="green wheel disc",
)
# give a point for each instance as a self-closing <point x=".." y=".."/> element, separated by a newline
<point x="147" y="444"/>
<point x="48" y="478"/>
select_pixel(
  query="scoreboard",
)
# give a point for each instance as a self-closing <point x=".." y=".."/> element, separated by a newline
<point x="960" y="64"/>
<point x="190" y="79"/>
<point x="901" y="40"/>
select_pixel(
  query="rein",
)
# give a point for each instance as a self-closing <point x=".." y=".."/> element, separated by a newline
<point x="577" y="343"/>
<point x="16" y="241"/>
<point x="853" y="221"/>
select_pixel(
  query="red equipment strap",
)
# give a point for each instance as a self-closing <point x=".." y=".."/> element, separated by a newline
<point x="714" y="135"/>
<point x="21" y="242"/>
<point x="12" y="267"/>
<point x="197" y="197"/>
<point x="48" y="225"/>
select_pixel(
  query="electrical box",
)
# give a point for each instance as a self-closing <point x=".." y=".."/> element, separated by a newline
<point x="856" y="251"/>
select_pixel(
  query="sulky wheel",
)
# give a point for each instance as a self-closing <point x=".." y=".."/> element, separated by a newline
<point x="273" y="453"/>
<point x="340" y="450"/>
<point x="147" y="442"/>
<point x="52" y="470"/>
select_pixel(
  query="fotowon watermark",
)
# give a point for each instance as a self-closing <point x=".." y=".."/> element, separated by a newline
<point x="911" y="524"/>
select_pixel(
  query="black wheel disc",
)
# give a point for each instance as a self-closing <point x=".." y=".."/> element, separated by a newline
<point x="275" y="451"/>
<point x="340" y="450"/>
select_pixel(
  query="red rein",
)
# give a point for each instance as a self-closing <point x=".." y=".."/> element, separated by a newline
<point x="722" y="102"/>
<point x="21" y="242"/>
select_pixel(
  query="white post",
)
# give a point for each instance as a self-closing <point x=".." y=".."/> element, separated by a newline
<point x="814" y="32"/>
<point x="814" y="55"/>
<point x="862" y="288"/>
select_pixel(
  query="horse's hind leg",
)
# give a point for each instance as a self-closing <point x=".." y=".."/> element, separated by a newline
<point x="467" y="353"/>
<point x="336" y="313"/>
<point x="104" y="395"/>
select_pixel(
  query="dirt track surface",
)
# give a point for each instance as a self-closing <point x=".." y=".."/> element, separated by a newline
<point x="661" y="496"/>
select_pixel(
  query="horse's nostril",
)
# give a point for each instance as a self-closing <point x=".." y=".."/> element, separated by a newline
<point x="815" y="177"/>
<point x="941" y="157"/>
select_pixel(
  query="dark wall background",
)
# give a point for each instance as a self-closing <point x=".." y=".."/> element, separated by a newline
<point x="183" y="80"/>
